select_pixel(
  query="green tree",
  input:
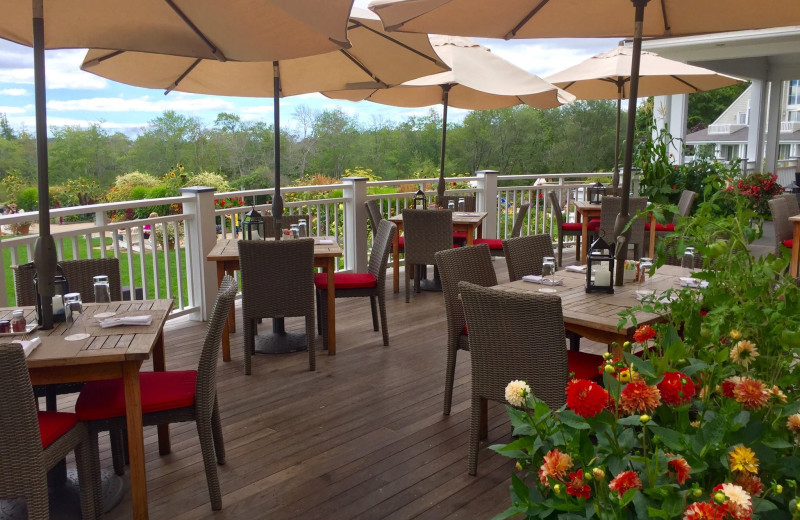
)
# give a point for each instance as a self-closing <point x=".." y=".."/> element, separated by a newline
<point x="86" y="152"/>
<point x="706" y="107"/>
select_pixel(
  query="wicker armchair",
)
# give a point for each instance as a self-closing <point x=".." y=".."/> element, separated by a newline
<point x="277" y="281"/>
<point x="371" y="284"/>
<point x="781" y="209"/>
<point x="496" y="244"/>
<point x="79" y="274"/>
<point x="32" y="443"/>
<point x="468" y="264"/>
<point x="524" y="254"/>
<point x="170" y="397"/>
<point x="570" y="229"/>
<point x="286" y="223"/>
<point x="427" y="232"/>
<point x="794" y="206"/>
<point x="609" y="209"/>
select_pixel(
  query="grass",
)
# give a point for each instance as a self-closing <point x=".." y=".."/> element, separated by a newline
<point x="124" y="259"/>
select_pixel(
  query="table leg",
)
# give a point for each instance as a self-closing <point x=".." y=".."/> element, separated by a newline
<point x="160" y="365"/>
<point x="471" y="236"/>
<point x="133" y="416"/>
<point x="584" y="237"/>
<point x="793" y="266"/>
<point x="226" y="341"/>
<point x="396" y="261"/>
<point x="652" y="236"/>
<point x="480" y="229"/>
<point x="331" y="307"/>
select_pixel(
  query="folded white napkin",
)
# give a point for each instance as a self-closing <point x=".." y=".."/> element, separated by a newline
<point x="126" y="320"/>
<point x="693" y="283"/>
<point x="28" y="346"/>
<point x="576" y="268"/>
<point x="325" y="242"/>
<point x="534" y="278"/>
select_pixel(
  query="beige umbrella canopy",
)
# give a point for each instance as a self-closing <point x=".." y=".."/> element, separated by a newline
<point x="235" y="29"/>
<point x="477" y="80"/>
<point x="607" y="76"/>
<point x="374" y="60"/>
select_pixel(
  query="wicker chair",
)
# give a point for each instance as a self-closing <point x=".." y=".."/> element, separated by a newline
<point x="467" y="264"/>
<point x="427" y="232"/>
<point x="32" y="443"/>
<point x="170" y="397"/>
<point x="684" y="208"/>
<point x="496" y="244"/>
<point x="794" y="206"/>
<point x="781" y="209"/>
<point x="375" y="216"/>
<point x="524" y="254"/>
<point x="512" y="336"/>
<point x="286" y="223"/>
<point x="610" y="207"/>
<point x="572" y="229"/>
<point x="470" y="204"/>
<point x="79" y="274"/>
<point x="371" y="284"/>
<point x="277" y="282"/>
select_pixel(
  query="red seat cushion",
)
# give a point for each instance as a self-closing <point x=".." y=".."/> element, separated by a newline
<point x="577" y="226"/>
<point x="345" y="281"/>
<point x="494" y="243"/>
<point x="787" y="243"/>
<point x="594" y="221"/>
<point x="464" y="332"/>
<point x="401" y="242"/>
<point x="459" y="235"/>
<point x="660" y="227"/>
<point x="585" y="365"/>
<point x="53" y="425"/>
<point x="160" y="391"/>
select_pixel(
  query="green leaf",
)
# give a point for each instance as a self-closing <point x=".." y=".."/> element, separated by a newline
<point x="573" y="420"/>
<point x="519" y="488"/>
<point x="673" y="440"/>
<point x="777" y="444"/>
<point x="741" y="419"/>
<point x="631" y="420"/>
<point x="643" y="366"/>
<point x="628" y="496"/>
<point x="511" y="512"/>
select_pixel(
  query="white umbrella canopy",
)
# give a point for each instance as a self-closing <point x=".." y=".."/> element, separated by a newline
<point x="607" y="76"/>
<point x="477" y="80"/>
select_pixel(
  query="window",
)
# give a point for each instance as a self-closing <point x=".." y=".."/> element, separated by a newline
<point x="741" y="118"/>
<point x="794" y="92"/>
<point x="784" y="151"/>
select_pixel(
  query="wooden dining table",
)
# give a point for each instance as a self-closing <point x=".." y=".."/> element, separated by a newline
<point x="110" y="353"/>
<point x="226" y="255"/>
<point x="584" y="212"/>
<point x="595" y="316"/>
<point x="469" y="222"/>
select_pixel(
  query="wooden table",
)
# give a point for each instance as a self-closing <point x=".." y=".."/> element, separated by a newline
<point x="596" y="315"/>
<point x="226" y="255"/>
<point x="106" y="355"/>
<point x="585" y="211"/>
<point x="793" y="266"/>
<point x="468" y="222"/>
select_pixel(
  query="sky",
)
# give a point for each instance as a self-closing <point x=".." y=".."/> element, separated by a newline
<point x="77" y="98"/>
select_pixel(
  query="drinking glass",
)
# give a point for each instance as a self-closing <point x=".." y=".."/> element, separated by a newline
<point x="73" y="307"/>
<point x="645" y="283"/>
<point x="549" y="268"/>
<point x="641" y="272"/>
<point x="461" y="205"/>
<point x="687" y="262"/>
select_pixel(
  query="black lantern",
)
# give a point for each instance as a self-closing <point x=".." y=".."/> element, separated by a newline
<point x="420" y="202"/>
<point x="61" y="288"/>
<point x="253" y="225"/>
<point x="600" y="267"/>
<point x="596" y="192"/>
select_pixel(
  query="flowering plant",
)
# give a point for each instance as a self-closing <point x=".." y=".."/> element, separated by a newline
<point x="758" y="189"/>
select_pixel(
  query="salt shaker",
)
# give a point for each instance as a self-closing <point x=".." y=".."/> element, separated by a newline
<point x="461" y="204"/>
<point x="72" y="305"/>
<point x="295" y="231"/>
<point x="451" y="205"/>
<point x="18" y="322"/>
<point x="303" y="226"/>
<point x="102" y="292"/>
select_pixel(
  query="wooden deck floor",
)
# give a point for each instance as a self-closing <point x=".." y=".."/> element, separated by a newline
<point x="362" y="437"/>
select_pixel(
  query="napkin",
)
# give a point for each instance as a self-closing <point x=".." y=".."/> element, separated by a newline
<point x="534" y="278"/>
<point x="693" y="283"/>
<point x="325" y="242"/>
<point x="576" y="268"/>
<point x="28" y="346"/>
<point x="126" y="320"/>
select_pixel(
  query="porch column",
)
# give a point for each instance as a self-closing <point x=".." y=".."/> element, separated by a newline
<point x="671" y="112"/>
<point x="755" y="123"/>
<point x="773" y="127"/>
<point x="486" y="193"/>
<point x="355" y="224"/>
<point x="201" y="236"/>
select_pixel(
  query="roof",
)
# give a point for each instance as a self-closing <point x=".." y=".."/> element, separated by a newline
<point x="739" y="136"/>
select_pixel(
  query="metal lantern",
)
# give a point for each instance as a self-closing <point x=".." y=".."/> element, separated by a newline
<point x="420" y="202"/>
<point x="600" y="267"/>
<point x="61" y="288"/>
<point x="596" y="193"/>
<point x="253" y="225"/>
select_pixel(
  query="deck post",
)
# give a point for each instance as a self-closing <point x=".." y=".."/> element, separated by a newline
<point x="355" y="224"/>
<point x="200" y="236"/>
<point x="487" y="200"/>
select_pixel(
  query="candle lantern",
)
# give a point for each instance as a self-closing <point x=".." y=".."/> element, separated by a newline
<point x="253" y="225"/>
<point x="61" y="288"/>
<point x="600" y="267"/>
<point x="420" y="202"/>
<point x="596" y="193"/>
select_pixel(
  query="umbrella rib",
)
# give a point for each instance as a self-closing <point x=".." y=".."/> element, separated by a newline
<point x="357" y="24"/>
<point x="180" y="78"/>
<point x="525" y="20"/>
<point x="101" y="59"/>
<point x="362" y="67"/>
<point x="667" y="28"/>
<point x="686" y="83"/>
<point x="214" y="50"/>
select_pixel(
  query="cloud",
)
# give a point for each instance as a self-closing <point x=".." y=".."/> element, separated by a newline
<point x="11" y="110"/>
<point x="14" y="92"/>
<point x="62" y="68"/>
<point x="546" y="57"/>
<point x="177" y="103"/>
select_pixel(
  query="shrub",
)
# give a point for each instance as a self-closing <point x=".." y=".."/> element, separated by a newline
<point x="125" y="184"/>
<point x="212" y="179"/>
<point x="758" y="189"/>
<point x="28" y="199"/>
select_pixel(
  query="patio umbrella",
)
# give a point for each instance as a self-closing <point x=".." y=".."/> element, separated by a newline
<point x="586" y="19"/>
<point x="607" y="76"/>
<point x="236" y="30"/>
<point x="477" y="80"/>
<point x="374" y="60"/>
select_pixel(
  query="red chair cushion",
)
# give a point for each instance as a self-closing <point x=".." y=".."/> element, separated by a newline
<point x="401" y="242"/>
<point x="160" y="391"/>
<point x="787" y="243"/>
<point x="464" y="332"/>
<point x="459" y="235"/>
<point x="593" y="224"/>
<point x="594" y="221"/>
<point x="660" y="227"/>
<point x="572" y="226"/>
<point x="53" y="425"/>
<point x="345" y="281"/>
<point x="494" y="243"/>
<point x="585" y="365"/>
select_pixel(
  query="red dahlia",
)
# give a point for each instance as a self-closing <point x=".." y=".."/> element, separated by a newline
<point x="639" y="397"/>
<point x="676" y="388"/>
<point x="703" y="511"/>
<point x="680" y="468"/>
<point x="586" y="398"/>
<point x="625" y="481"/>
<point x="576" y="486"/>
<point x="644" y="333"/>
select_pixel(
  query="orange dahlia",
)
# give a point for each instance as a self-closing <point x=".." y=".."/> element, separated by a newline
<point x="703" y="511"/>
<point x="676" y="388"/>
<point x="728" y="385"/>
<point x="639" y="397"/>
<point x="680" y="468"/>
<point x="586" y="398"/>
<point x="793" y="423"/>
<point x="576" y="486"/>
<point x="555" y="465"/>
<point x="625" y="481"/>
<point x="750" y="483"/>
<point x="644" y="333"/>
<point x="751" y="393"/>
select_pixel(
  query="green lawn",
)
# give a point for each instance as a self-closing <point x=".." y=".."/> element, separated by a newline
<point x="124" y="258"/>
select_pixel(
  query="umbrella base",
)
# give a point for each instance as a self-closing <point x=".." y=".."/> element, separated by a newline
<point x="281" y="343"/>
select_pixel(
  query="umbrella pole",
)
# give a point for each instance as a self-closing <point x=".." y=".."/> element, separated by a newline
<point x="44" y="251"/>
<point x="277" y="201"/>
<point x="627" y="165"/>
<point x="445" y="100"/>
<point x="615" y="177"/>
